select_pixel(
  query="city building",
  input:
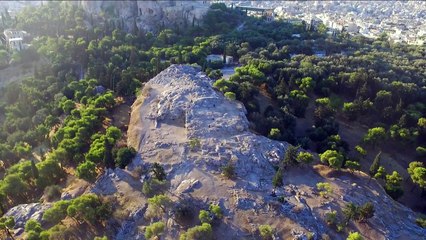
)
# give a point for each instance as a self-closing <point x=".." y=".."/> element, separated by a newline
<point x="14" y="39"/>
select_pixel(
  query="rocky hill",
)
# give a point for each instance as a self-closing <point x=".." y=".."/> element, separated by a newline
<point x="150" y="15"/>
<point x="182" y="122"/>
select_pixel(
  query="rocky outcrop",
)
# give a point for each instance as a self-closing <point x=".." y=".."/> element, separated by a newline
<point x="24" y="212"/>
<point x="181" y="121"/>
<point x="150" y="15"/>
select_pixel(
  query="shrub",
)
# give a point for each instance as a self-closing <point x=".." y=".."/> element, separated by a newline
<point x="52" y="192"/>
<point x="325" y="189"/>
<point x="33" y="225"/>
<point x="194" y="143"/>
<point x="216" y="210"/>
<point x="229" y="171"/>
<point x="154" y="186"/>
<point x="305" y="157"/>
<point x="87" y="171"/>
<point x="354" y="236"/>
<point x="265" y="232"/>
<point x="230" y="95"/>
<point x="202" y="232"/>
<point x="154" y="230"/>
<point x="333" y="158"/>
<point x="124" y="156"/>
<point x="204" y="216"/>
<point x="331" y="218"/>
<point x="421" y="221"/>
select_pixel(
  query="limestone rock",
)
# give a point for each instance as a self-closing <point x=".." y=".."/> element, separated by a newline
<point x="187" y="185"/>
<point x="23" y="212"/>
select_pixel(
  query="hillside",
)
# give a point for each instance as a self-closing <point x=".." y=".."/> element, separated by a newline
<point x="180" y="105"/>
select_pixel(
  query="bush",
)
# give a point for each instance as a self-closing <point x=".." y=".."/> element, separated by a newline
<point x="202" y="232"/>
<point x="216" y="210"/>
<point x="305" y="157"/>
<point x="52" y="192"/>
<point x="324" y="188"/>
<point x="230" y="95"/>
<point x="33" y="225"/>
<point x="229" y="171"/>
<point x="421" y="221"/>
<point x="354" y="236"/>
<point x="154" y="186"/>
<point x="333" y="158"/>
<point x="331" y="218"/>
<point x="124" y="156"/>
<point x="154" y="230"/>
<point x="87" y="171"/>
<point x="265" y="232"/>
<point x="204" y="216"/>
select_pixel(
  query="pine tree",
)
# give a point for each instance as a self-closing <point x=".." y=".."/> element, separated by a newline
<point x="34" y="169"/>
<point x="290" y="157"/>
<point x="277" y="181"/>
<point x="375" y="165"/>
<point x="108" y="158"/>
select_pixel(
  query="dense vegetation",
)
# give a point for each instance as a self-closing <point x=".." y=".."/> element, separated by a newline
<point x="65" y="121"/>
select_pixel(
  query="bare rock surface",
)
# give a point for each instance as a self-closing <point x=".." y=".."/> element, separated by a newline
<point x="24" y="212"/>
<point x="181" y="121"/>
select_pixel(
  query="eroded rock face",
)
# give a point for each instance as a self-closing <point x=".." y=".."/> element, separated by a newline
<point x="183" y="114"/>
<point x="150" y="15"/>
<point x="23" y="212"/>
<point x="193" y="131"/>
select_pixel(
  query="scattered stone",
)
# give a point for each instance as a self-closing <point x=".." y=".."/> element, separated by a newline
<point x="187" y="186"/>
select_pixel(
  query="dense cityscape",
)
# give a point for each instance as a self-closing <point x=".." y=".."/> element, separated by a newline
<point x="402" y="21"/>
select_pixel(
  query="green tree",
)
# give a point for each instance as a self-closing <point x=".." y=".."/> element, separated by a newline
<point x="275" y="134"/>
<point x="158" y="205"/>
<point x="381" y="173"/>
<point x="89" y="208"/>
<point x="216" y="211"/>
<point x="351" y="212"/>
<point x="333" y="158"/>
<point x="6" y="224"/>
<point x="124" y="156"/>
<point x="86" y="171"/>
<point x="375" y="165"/>
<point x="325" y="189"/>
<point x="158" y="172"/>
<point x="354" y="236"/>
<point x="305" y="157"/>
<point x="202" y="232"/>
<point x="277" y="181"/>
<point x="108" y="158"/>
<point x="204" y="216"/>
<point x="417" y="173"/>
<point x="50" y="172"/>
<point x="229" y="170"/>
<point x="366" y="211"/>
<point x="290" y="157"/>
<point x="57" y="212"/>
<point x="154" y="230"/>
<point x="352" y="166"/>
<point x="266" y="232"/>
<point x="393" y="185"/>
<point x="33" y="225"/>
<point x="34" y="170"/>
<point x="375" y="136"/>
<point x="230" y="95"/>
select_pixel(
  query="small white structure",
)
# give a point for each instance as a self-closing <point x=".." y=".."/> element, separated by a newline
<point x="14" y="39"/>
<point x="219" y="58"/>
